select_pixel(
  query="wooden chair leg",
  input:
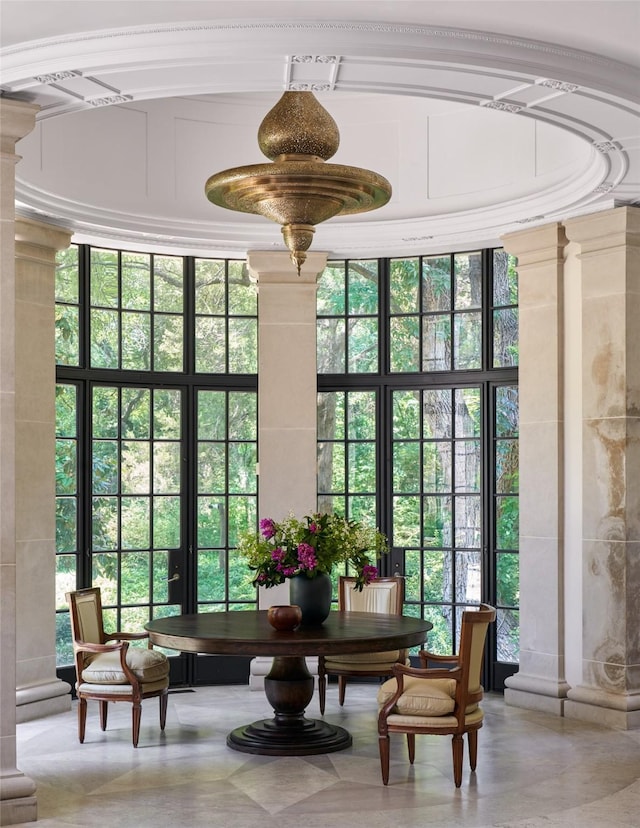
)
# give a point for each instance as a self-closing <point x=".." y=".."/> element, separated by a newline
<point x="411" y="745"/>
<point x="136" y="712"/>
<point x="457" y="745"/>
<point x="163" y="709"/>
<point x="342" y="686"/>
<point x="383" y="744"/>
<point x="322" y="685"/>
<point x="473" y="748"/>
<point x="104" y="709"/>
<point x="82" y="718"/>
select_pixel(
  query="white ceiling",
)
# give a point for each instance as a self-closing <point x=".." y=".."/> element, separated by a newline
<point x="485" y="116"/>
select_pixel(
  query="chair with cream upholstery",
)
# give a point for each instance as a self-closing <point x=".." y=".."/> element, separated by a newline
<point x="438" y="700"/>
<point x="107" y="669"/>
<point x="382" y="595"/>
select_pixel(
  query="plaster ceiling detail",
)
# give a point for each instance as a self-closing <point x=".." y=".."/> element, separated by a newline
<point x="478" y="132"/>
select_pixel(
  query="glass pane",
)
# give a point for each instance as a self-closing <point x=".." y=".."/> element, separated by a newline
<point x="243" y="415"/>
<point x="210" y="286"/>
<point x="406" y="521"/>
<point x="363" y="288"/>
<point x="363" y="508"/>
<point x="240" y="587"/>
<point x="362" y="467"/>
<point x="66" y="578"/>
<point x="468" y="280"/>
<point x="212" y="465"/>
<point x="105" y="467"/>
<point x="167" y="414"/>
<point x="330" y="299"/>
<point x="362" y="415"/>
<point x="66" y="410"/>
<point x="468" y="412"/>
<point x="436" y="467"/>
<point x="406" y="467"/>
<point x="64" y="645"/>
<point x="468" y="522"/>
<point x="437" y="576"/>
<point x="468" y="341"/>
<point x="134" y="578"/>
<point x="404" y="285"/>
<point x="135" y="473"/>
<point x="404" y="343"/>
<point x="136" y="281"/>
<point x="406" y="415"/>
<point x="66" y="481"/>
<point x="437" y="411"/>
<point x="105" y="345"/>
<point x="468" y="578"/>
<point x="104" y="523"/>
<point x="66" y="524"/>
<point x="67" y="335"/>
<point x="508" y="579"/>
<point x="437" y="521"/>
<point x="105" y="575"/>
<point x="166" y="467"/>
<point x="243" y="346"/>
<point x="440" y="639"/>
<point x="507" y="522"/>
<point x="507" y="467"/>
<point x="66" y="285"/>
<point x="168" y="343"/>
<point x="166" y="522"/>
<point x="212" y="576"/>
<point x="168" y="277"/>
<point x="412" y="579"/>
<point x="505" y="338"/>
<point x="136" y="337"/>
<point x="507" y="411"/>
<point x="331" y="346"/>
<point x="242" y="467"/>
<point x="508" y="643"/>
<point x="335" y="458"/>
<point x="436" y="342"/>
<point x="104" y="278"/>
<point x="505" y="279"/>
<point x="160" y="576"/>
<point x="212" y="521"/>
<point x="211" y="345"/>
<point x="331" y="415"/>
<point x="467" y="466"/>
<point x="363" y="345"/>
<point x="243" y="293"/>
<point x="436" y="283"/>
<point x="135" y="413"/>
<point x="135" y="530"/>
<point x="212" y="415"/>
<point x="105" y="417"/>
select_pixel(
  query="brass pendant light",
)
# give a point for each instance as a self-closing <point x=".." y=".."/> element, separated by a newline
<point x="298" y="189"/>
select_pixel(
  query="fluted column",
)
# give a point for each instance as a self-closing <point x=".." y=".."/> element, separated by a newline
<point x="17" y="791"/>
<point x="608" y="690"/>
<point x="287" y="398"/>
<point x="540" y="682"/>
<point x="39" y="692"/>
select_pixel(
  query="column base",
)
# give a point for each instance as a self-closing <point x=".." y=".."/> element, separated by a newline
<point x="620" y="712"/>
<point x="535" y="693"/>
<point x="18" y="803"/>
<point x="40" y="700"/>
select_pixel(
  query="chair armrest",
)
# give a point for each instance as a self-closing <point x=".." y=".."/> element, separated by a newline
<point x="88" y="647"/>
<point x="118" y="646"/>
<point x="454" y="673"/>
<point x="426" y="656"/>
<point x="123" y="636"/>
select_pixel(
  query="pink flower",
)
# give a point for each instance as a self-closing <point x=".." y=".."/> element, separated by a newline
<point x="267" y="528"/>
<point x="369" y="573"/>
<point x="307" y="556"/>
<point x="313" y="527"/>
<point x="278" y="554"/>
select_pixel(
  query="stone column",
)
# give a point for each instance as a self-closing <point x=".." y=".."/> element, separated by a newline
<point x="540" y="682"/>
<point x="39" y="692"/>
<point x="287" y="399"/>
<point x="17" y="791"/>
<point x="609" y="257"/>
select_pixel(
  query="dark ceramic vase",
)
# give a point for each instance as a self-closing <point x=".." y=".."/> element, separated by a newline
<point x="313" y="596"/>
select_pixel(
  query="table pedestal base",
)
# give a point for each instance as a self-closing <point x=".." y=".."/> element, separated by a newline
<point x="289" y="689"/>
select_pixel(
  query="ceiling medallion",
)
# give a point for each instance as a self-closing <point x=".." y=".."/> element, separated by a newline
<point x="298" y="189"/>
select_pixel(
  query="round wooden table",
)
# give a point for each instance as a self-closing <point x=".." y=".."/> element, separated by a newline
<point x="289" y="685"/>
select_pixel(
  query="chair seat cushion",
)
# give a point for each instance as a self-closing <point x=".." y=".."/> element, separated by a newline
<point x="146" y="665"/>
<point x="386" y="657"/>
<point x="472" y="718"/>
<point x="421" y="697"/>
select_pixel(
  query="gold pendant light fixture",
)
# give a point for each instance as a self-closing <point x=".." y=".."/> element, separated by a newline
<point x="298" y="189"/>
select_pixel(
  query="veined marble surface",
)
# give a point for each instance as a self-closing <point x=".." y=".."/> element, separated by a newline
<point x="534" y="771"/>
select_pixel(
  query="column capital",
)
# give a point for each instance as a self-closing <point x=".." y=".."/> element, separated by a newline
<point x="606" y="230"/>
<point x="537" y="245"/>
<point x="32" y="234"/>
<point x="276" y="267"/>
<point x="17" y="119"/>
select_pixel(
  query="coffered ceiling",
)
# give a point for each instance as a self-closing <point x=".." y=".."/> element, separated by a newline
<point x="484" y="116"/>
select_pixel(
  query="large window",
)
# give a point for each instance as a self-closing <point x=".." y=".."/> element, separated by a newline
<point x="418" y="428"/>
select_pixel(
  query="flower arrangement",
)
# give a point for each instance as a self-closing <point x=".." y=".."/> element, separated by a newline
<point x="311" y="545"/>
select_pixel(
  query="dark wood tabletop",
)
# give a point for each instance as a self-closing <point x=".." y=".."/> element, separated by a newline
<point x="249" y="633"/>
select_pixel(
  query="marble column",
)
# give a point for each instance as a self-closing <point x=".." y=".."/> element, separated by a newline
<point x="608" y="691"/>
<point x="287" y="399"/>
<point x="17" y="791"/>
<point x="39" y="692"/>
<point x="540" y="682"/>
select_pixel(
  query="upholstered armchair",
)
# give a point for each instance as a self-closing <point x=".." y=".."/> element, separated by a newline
<point x="108" y="669"/>
<point x="382" y="595"/>
<point x="443" y="701"/>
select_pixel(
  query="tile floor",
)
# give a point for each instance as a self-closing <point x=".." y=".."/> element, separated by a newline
<point x="534" y="771"/>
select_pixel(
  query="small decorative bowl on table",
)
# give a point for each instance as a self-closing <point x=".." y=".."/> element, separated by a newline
<point x="284" y="616"/>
